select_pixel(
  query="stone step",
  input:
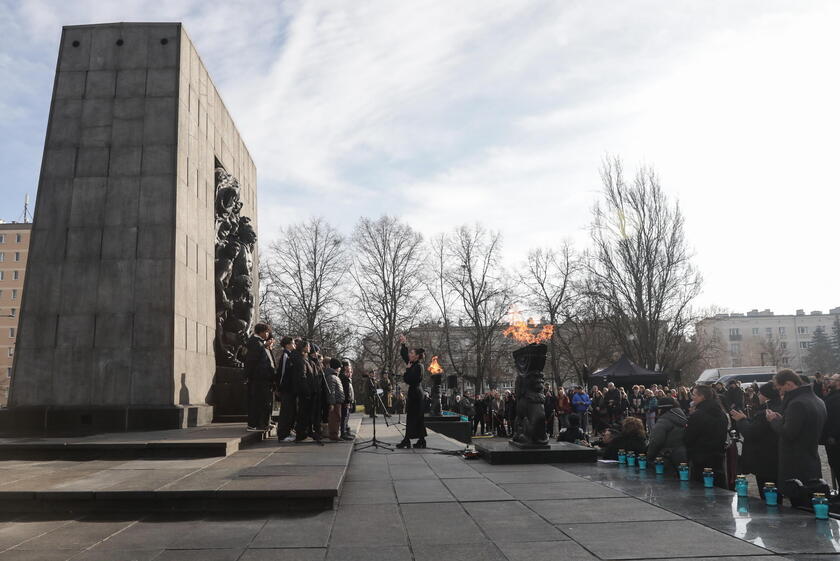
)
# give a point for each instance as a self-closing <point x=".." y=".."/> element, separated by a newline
<point x="209" y="441"/>
<point x="265" y="476"/>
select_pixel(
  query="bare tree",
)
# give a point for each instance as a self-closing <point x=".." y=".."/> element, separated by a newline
<point x="481" y="292"/>
<point x="773" y="352"/>
<point x="641" y="267"/>
<point x="306" y="268"/>
<point x="388" y="272"/>
<point x="452" y="339"/>
<point x="549" y="279"/>
<point x="584" y="341"/>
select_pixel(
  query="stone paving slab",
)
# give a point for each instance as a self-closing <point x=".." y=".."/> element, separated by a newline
<point x="588" y="511"/>
<point x="657" y="540"/>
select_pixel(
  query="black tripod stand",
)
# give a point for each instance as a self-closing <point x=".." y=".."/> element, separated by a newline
<point x="374" y="442"/>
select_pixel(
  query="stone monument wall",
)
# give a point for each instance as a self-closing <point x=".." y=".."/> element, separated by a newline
<point x="118" y="315"/>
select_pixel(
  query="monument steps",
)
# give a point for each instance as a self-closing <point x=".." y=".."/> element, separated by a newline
<point x="260" y="475"/>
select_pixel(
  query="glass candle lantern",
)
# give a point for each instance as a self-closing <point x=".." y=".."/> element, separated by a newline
<point x="642" y="459"/>
<point x="659" y="465"/>
<point x="771" y="494"/>
<point x="631" y="458"/>
<point x="708" y="478"/>
<point x="622" y="456"/>
<point x="741" y="485"/>
<point x="820" y="504"/>
<point x="683" y="471"/>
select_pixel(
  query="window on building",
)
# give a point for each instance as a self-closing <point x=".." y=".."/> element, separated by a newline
<point x="14" y="294"/>
<point x="2" y="275"/>
<point x="1" y="292"/>
<point x="803" y="344"/>
<point x="18" y="238"/>
<point x="803" y="330"/>
<point x="734" y="331"/>
<point x="736" y="362"/>
<point x="781" y="331"/>
<point x="2" y="256"/>
<point x="735" y="348"/>
<point x="783" y="345"/>
<point x="755" y="331"/>
<point x="768" y="331"/>
<point x="15" y="275"/>
<point x="2" y="238"/>
<point x="11" y="332"/>
<point x="9" y="372"/>
<point x="12" y="312"/>
<point x="785" y="361"/>
<point x="17" y="256"/>
<point x="11" y="351"/>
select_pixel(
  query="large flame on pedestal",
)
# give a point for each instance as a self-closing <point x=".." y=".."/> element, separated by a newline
<point x="435" y="367"/>
<point x="527" y="331"/>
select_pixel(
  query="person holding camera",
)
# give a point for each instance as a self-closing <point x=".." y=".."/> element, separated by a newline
<point x="415" y="427"/>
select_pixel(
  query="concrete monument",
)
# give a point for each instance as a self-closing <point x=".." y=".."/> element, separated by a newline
<point x="120" y="324"/>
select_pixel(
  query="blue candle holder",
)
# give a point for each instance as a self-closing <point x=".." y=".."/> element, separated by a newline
<point x="820" y="504"/>
<point x="742" y="487"/>
<point x="631" y="458"/>
<point x="708" y="478"/>
<point x="683" y="472"/>
<point x="622" y="456"/>
<point x="771" y="494"/>
<point x="642" y="459"/>
<point x="659" y="465"/>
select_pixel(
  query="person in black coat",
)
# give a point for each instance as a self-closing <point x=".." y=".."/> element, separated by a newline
<point x="831" y="430"/>
<point x="415" y="426"/>
<point x="304" y="386"/>
<point x="800" y="428"/>
<point x="259" y="375"/>
<point x="705" y="435"/>
<point x="760" y="452"/>
<point x="631" y="438"/>
<point x="285" y="390"/>
<point x="550" y="406"/>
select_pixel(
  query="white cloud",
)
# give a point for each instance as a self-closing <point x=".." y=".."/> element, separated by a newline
<point x="451" y="112"/>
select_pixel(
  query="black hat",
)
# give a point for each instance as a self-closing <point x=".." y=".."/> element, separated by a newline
<point x="769" y="391"/>
<point x="666" y="403"/>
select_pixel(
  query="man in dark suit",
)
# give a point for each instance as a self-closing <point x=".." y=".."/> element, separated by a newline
<point x="259" y="374"/>
<point x="286" y="390"/>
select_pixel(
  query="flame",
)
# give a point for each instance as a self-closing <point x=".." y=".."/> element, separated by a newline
<point x="523" y="330"/>
<point x="435" y="367"/>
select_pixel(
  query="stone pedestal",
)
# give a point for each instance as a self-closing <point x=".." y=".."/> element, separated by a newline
<point x="118" y="313"/>
<point x="230" y="395"/>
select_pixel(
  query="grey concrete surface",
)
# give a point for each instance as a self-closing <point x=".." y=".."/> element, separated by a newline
<point x="377" y="518"/>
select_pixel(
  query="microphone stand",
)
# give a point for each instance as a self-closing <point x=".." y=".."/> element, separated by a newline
<point x="375" y="442"/>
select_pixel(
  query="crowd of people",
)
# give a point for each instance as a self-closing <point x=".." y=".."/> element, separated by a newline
<point x="311" y="389"/>
<point x="772" y="430"/>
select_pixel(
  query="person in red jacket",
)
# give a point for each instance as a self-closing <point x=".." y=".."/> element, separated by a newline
<point x="564" y="408"/>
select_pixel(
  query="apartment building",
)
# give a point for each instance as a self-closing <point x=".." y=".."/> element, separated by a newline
<point x="762" y="338"/>
<point x="14" y="249"/>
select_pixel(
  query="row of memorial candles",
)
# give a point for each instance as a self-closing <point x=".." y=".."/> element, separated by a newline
<point x="771" y="494"/>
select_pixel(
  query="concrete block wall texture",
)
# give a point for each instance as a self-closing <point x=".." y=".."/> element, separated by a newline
<point x="119" y="303"/>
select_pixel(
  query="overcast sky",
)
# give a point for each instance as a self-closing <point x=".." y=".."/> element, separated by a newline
<point x="501" y="112"/>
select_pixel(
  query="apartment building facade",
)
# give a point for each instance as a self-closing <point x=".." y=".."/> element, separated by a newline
<point x="762" y="338"/>
<point x="14" y="250"/>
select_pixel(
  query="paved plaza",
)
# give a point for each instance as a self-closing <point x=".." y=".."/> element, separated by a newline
<point x="417" y="504"/>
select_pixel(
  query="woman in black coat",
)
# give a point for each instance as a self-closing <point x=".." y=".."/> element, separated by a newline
<point x="705" y="435"/>
<point x="760" y="452"/>
<point x="414" y="424"/>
